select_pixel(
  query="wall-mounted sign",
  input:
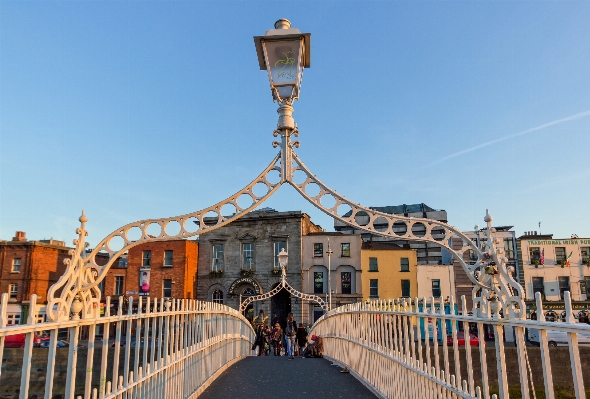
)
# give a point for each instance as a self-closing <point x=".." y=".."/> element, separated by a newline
<point x="131" y="293"/>
<point x="144" y="281"/>
<point x="559" y="242"/>
<point x="245" y="280"/>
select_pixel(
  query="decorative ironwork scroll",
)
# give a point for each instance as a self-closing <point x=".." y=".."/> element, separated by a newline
<point x="283" y="284"/>
<point x="83" y="273"/>
<point x="494" y="288"/>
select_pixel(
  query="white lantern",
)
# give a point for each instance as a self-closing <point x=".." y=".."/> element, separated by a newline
<point x="284" y="52"/>
<point x="283" y="257"/>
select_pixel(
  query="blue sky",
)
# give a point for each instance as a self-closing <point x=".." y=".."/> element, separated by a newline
<point x="136" y="110"/>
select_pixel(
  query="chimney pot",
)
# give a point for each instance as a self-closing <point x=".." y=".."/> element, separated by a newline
<point x="20" y="236"/>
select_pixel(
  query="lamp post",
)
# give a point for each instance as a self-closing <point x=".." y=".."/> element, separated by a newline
<point x="283" y="260"/>
<point x="329" y="252"/>
<point x="283" y="52"/>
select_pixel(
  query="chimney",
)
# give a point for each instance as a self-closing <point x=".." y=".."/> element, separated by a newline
<point x="20" y="236"/>
<point x="535" y="233"/>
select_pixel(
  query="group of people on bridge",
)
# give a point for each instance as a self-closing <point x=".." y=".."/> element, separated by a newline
<point x="292" y="340"/>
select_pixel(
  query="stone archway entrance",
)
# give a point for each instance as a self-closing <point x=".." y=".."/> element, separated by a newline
<point x="280" y="306"/>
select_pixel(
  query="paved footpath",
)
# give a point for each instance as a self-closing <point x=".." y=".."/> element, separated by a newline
<point x="272" y="377"/>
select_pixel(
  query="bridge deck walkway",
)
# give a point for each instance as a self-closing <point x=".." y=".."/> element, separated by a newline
<point x="272" y="377"/>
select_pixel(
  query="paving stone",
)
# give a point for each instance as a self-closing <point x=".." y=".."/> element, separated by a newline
<point x="270" y="377"/>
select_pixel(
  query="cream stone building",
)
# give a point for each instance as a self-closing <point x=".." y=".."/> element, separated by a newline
<point x="435" y="281"/>
<point x="553" y="266"/>
<point x="345" y="270"/>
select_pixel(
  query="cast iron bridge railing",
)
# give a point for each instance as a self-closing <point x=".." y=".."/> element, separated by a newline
<point x="398" y="348"/>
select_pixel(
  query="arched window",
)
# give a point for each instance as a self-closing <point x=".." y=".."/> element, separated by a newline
<point x="217" y="296"/>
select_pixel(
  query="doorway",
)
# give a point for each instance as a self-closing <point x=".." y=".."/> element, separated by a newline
<point x="280" y="307"/>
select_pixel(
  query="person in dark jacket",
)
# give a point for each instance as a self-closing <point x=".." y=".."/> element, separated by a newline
<point x="290" y="333"/>
<point x="260" y="340"/>
<point x="301" y="337"/>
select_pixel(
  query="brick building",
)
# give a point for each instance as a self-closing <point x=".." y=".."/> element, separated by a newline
<point x="169" y="268"/>
<point x="238" y="260"/>
<point x="32" y="267"/>
<point x="26" y="268"/>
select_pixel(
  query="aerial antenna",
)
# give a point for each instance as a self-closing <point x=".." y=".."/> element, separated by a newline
<point x="540" y="228"/>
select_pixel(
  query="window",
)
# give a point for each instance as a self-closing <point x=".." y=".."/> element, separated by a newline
<point x="217" y="263"/>
<point x="406" y="288"/>
<point x="119" y="280"/>
<point x="318" y="282"/>
<point x="13" y="319"/>
<point x="168" y="256"/>
<point x="278" y="245"/>
<point x="564" y="285"/>
<point x="13" y="290"/>
<point x="101" y="288"/>
<point x="405" y="265"/>
<point x="147" y="259"/>
<point x="346" y="282"/>
<point x="560" y="253"/>
<point x="217" y="296"/>
<point x="585" y="252"/>
<point x="167" y="288"/>
<point x="586" y="286"/>
<point x="538" y="286"/>
<point x="535" y="253"/>
<point x="435" y="288"/>
<point x="373" y="267"/>
<point x="509" y="248"/>
<point x="248" y="256"/>
<point x="122" y="262"/>
<point x="374" y="288"/>
<point x="318" y="250"/>
<point x="345" y="250"/>
<point x="15" y="265"/>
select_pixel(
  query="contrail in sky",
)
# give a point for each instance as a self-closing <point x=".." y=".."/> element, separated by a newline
<point x="556" y="122"/>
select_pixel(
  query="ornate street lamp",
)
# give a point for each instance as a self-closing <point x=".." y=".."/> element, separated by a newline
<point x="284" y="52"/>
<point x="283" y="257"/>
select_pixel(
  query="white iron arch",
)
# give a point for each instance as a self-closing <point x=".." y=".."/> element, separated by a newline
<point x="79" y="284"/>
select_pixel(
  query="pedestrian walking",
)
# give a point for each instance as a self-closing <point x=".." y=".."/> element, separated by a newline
<point x="301" y="337"/>
<point x="260" y="340"/>
<point x="290" y="335"/>
<point x="276" y="338"/>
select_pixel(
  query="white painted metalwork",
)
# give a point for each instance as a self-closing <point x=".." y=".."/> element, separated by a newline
<point x="388" y="346"/>
<point x="173" y="349"/>
<point x="80" y="296"/>
<point x="283" y="284"/>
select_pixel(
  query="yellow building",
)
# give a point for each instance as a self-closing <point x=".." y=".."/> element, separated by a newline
<point x="388" y="271"/>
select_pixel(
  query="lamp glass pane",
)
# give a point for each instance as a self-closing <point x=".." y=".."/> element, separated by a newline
<point x="283" y="60"/>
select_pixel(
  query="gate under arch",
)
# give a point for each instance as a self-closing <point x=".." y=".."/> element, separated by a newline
<point x="77" y="292"/>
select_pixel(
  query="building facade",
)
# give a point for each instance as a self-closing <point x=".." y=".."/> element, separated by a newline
<point x="388" y="271"/>
<point x="507" y="237"/>
<point x="553" y="266"/>
<point x="30" y="267"/>
<point x="435" y="281"/>
<point x="162" y="269"/>
<point x="240" y="260"/>
<point x="344" y="270"/>
<point x="427" y="253"/>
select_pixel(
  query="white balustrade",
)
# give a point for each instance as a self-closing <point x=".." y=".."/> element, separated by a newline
<point x="388" y="345"/>
<point x="172" y="349"/>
